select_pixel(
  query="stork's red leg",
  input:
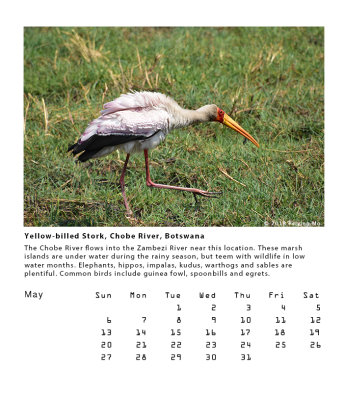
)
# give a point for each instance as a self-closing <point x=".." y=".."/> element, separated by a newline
<point x="158" y="185"/>
<point x="122" y="184"/>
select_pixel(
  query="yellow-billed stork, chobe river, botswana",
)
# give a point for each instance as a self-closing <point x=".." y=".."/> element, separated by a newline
<point x="140" y="121"/>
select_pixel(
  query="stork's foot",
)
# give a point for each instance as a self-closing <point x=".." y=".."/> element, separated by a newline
<point x="206" y="194"/>
<point x="134" y="221"/>
<point x="129" y="213"/>
<point x="198" y="192"/>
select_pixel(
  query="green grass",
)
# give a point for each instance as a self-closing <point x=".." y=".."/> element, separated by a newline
<point x="270" y="80"/>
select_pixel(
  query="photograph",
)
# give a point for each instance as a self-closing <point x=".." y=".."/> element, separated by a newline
<point x="173" y="126"/>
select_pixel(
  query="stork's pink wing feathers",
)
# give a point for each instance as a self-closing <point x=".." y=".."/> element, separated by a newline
<point x="141" y="113"/>
<point x="137" y="100"/>
<point x="138" y="122"/>
<point x="144" y="122"/>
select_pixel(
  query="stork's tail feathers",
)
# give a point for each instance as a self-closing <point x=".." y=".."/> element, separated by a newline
<point x="71" y="147"/>
<point x="87" y="148"/>
<point x="76" y="149"/>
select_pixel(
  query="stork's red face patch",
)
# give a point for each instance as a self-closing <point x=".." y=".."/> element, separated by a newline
<point x="220" y="115"/>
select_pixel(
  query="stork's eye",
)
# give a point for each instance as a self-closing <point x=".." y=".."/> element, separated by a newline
<point x="221" y="112"/>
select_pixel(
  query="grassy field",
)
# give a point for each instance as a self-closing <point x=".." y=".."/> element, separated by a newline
<point x="270" y="80"/>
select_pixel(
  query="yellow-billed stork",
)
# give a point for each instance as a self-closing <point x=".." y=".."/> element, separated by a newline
<point x="140" y="121"/>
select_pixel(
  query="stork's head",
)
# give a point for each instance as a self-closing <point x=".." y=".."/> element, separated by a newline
<point x="215" y="113"/>
<point x="211" y="112"/>
<point x="224" y="119"/>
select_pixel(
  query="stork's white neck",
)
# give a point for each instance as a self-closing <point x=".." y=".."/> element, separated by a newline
<point x="183" y="117"/>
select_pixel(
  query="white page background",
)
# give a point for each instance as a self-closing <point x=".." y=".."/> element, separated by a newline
<point x="47" y="353"/>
